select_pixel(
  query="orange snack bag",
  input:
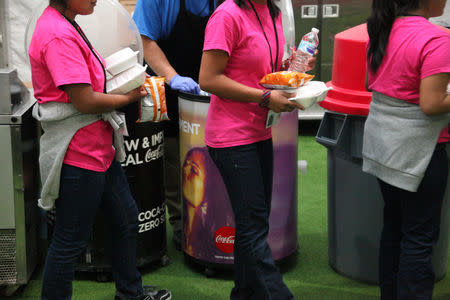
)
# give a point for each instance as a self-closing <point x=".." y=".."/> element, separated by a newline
<point x="285" y="79"/>
<point x="153" y="107"/>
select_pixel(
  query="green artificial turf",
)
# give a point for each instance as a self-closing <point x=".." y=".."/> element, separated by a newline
<point x="307" y="274"/>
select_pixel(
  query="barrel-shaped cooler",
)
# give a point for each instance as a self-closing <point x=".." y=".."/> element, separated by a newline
<point x="207" y="215"/>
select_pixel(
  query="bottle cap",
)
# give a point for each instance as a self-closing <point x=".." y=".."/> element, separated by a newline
<point x="315" y="30"/>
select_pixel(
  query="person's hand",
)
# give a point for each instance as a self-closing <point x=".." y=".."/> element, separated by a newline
<point x="312" y="61"/>
<point x="184" y="84"/>
<point x="136" y="94"/>
<point x="287" y="62"/>
<point x="279" y="102"/>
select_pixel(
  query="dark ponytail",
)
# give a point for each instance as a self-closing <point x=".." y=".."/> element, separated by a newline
<point x="379" y="25"/>
<point x="274" y="10"/>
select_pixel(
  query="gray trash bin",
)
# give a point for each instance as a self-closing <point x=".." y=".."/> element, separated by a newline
<point x="355" y="203"/>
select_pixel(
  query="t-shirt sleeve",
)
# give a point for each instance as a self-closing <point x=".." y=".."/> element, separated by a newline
<point x="147" y="16"/>
<point x="66" y="62"/>
<point x="221" y="32"/>
<point x="436" y="57"/>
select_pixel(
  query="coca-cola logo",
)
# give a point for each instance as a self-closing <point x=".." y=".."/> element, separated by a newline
<point x="224" y="239"/>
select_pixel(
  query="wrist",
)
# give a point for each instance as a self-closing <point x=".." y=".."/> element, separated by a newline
<point x="171" y="77"/>
<point x="130" y="98"/>
<point x="265" y="98"/>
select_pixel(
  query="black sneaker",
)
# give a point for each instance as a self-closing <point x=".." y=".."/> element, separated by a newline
<point x="150" y="293"/>
<point x="153" y="293"/>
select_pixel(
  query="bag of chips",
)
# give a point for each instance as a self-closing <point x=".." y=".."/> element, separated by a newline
<point x="153" y="107"/>
<point x="285" y="80"/>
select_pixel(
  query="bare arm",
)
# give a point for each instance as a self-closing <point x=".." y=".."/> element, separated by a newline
<point x="87" y="101"/>
<point x="156" y="59"/>
<point x="433" y="94"/>
<point x="214" y="81"/>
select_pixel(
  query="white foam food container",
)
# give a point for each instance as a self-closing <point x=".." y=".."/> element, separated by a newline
<point x="121" y="60"/>
<point x="108" y="75"/>
<point x="127" y="80"/>
<point x="310" y="93"/>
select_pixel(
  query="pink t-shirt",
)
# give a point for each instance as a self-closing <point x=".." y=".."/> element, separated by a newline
<point x="237" y="31"/>
<point x="59" y="56"/>
<point x="416" y="49"/>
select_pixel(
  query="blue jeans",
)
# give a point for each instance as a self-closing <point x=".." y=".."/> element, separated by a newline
<point x="82" y="193"/>
<point x="247" y="172"/>
<point x="411" y="228"/>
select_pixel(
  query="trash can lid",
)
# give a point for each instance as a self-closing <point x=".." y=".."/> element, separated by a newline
<point x="347" y="101"/>
<point x="349" y="94"/>
<point x="194" y="97"/>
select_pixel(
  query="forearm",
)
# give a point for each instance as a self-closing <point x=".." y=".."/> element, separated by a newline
<point x="434" y="99"/>
<point x="228" y="88"/>
<point x="102" y="103"/>
<point x="213" y="80"/>
<point x="439" y="107"/>
<point x="87" y="101"/>
<point x="157" y="60"/>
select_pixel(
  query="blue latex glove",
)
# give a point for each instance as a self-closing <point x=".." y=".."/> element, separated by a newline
<point x="184" y="84"/>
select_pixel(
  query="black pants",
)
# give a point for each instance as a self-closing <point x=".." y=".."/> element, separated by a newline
<point x="82" y="194"/>
<point x="247" y="172"/>
<point x="411" y="228"/>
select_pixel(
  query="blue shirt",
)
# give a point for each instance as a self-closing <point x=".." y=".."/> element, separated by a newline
<point x="156" y="18"/>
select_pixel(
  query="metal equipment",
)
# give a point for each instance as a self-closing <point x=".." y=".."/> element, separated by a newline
<point x="19" y="218"/>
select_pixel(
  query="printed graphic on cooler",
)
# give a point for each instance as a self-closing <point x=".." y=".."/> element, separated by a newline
<point x="190" y="128"/>
<point x="144" y="150"/>
<point x="224" y="239"/>
<point x="152" y="218"/>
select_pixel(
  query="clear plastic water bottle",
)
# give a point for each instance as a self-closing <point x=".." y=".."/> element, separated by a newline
<point x="306" y="50"/>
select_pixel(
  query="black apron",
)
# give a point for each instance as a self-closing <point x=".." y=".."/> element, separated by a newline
<point x="183" y="49"/>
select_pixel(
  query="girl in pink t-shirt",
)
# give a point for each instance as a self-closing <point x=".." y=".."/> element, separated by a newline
<point x="409" y="69"/>
<point x="69" y="77"/>
<point x="243" y="42"/>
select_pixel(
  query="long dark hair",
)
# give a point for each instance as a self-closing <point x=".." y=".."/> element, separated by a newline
<point x="379" y="25"/>
<point x="274" y="10"/>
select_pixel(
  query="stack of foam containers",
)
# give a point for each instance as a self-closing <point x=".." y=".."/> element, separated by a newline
<point x="123" y="72"/>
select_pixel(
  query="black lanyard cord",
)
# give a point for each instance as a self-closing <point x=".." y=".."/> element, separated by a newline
<point x="86" y="40"/>
<point x="274" y="66"/>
